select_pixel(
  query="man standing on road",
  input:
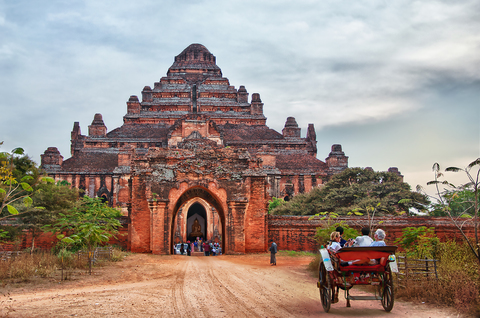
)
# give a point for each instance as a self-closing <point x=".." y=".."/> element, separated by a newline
<point x="273" y="251"/>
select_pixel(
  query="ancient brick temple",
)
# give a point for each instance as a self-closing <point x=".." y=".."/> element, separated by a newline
<point x="195" y="150"/>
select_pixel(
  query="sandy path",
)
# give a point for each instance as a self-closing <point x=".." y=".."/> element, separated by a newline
<point x="180" y="286"/>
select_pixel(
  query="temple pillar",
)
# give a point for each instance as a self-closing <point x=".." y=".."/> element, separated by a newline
<point x="235" y="222"/>
<point x="159" y="229"/>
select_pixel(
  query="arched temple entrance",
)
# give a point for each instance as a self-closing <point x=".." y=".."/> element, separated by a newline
<point x="198" y="211"/>
<point x="224" y="186"/>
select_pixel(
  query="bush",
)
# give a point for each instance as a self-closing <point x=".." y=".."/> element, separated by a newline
<point x="458" y="284"/>
<point x="25" y="266"/>
<point x="276" y="202"/>
<point x="10" y="233"/>
<point x="419" y="242"/>
<point x="118" y="255"/>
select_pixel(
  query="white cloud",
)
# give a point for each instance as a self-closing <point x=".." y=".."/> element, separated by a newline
<point x="359" y="69"/>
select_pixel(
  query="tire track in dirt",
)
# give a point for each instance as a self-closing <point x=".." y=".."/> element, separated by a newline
<point x="174" y="286"/>
<point x="198" y="289"/>
<point x="223" y="294"/>
<point x="181" y="307"/>
<point x="256" y="291"/>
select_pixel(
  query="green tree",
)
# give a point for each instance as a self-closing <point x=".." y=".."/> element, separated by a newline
<point x="18" y="175"/>
<point x="274" y="203"/>
<point x="457" y="204"/>
<point x="357" y="189"/>
<point x="53" y="199"/>
<point x="29" y="198"/>
<point x="89" y="224"/>
<point x="460" y="202"/>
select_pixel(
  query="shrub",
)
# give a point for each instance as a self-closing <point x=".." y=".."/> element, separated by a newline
<point x="10" y="233"/>
<point x="118" y="255"/>
<point x="458" y="284"/>
<point x="419" y="242"/>
<point x="25" y="266"/>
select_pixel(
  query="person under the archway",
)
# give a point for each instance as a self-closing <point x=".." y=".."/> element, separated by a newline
<point x="206" y="248"/>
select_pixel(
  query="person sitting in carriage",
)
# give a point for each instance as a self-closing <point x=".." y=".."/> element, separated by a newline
<point x="379" y="241"/>
<point x="334" y="245"/>
<point x="364" y="240"/>
<point x="379" y="238"/>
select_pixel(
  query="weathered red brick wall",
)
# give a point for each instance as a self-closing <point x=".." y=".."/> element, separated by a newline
<point x="45" y="241"/>
<point x="235" y="234"/>
<point x="139" y="228"/>
<point x="289" y="232"/>
<point x="297" y="232"/>
<point x="121" y="239"/>
<point x="255" y="235"/>
<point x="292" y="232"/>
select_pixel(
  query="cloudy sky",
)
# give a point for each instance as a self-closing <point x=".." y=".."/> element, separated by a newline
<point x="396" y="83"/>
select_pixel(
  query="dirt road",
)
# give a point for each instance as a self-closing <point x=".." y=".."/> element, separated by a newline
<point x="181" y="286"/>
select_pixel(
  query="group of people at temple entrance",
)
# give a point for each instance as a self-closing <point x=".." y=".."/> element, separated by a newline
<point x="210" y="248"/>
<point x="207" y="247"/>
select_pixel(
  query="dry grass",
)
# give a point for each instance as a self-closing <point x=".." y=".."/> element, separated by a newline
<point x="458" y="284"/>
<point x="313" y="266"/>
<point x="118" y="255"/>
<point x="25" y="266"/>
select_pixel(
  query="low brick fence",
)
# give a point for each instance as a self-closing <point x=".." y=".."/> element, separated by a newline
<point x="294" y="233"/>
<point x="297" y="232"/>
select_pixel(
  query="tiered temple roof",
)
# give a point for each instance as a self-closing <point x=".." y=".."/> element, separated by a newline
<point x="194" y="100"/>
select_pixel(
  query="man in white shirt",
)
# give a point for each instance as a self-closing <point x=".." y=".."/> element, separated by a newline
<point x="363" y="240"/>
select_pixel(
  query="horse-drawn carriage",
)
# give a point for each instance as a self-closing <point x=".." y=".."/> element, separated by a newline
<point x="339" y="271"/>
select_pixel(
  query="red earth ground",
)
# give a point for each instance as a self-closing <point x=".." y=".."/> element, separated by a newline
<point x="144" y="285"/>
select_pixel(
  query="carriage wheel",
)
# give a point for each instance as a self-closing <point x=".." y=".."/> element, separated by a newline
<point x="325" y="287"/>
<point x="387" y="292"/>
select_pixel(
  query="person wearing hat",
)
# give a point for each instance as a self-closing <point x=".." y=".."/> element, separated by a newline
<point x="273" y="251"/>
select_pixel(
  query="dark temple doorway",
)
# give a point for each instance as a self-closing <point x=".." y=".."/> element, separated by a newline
<point x="196" y="222"/>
